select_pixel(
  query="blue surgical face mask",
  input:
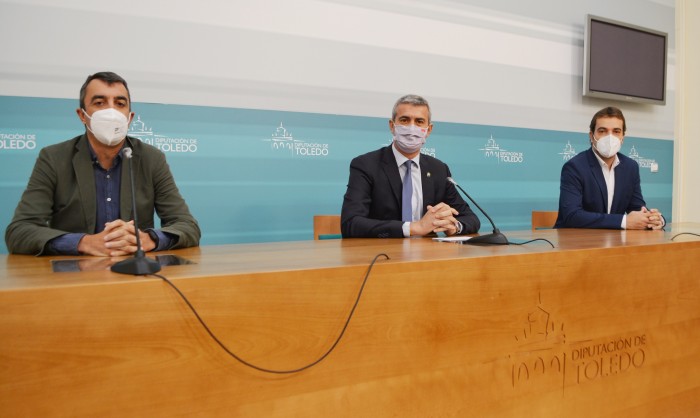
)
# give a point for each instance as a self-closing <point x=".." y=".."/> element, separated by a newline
<point x="409" y="138"/>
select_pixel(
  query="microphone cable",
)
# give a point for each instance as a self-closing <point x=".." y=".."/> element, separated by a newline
<point x="685" y="233"/>
<point x="273" y="371"/>
<point x="532" y="240"/>
<point x="543" y="239"/>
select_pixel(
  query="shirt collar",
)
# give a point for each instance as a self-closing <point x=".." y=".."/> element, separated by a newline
<point x="400" y="158"/>
<point x="93" y="156"/>
<point x="602" y="163"/>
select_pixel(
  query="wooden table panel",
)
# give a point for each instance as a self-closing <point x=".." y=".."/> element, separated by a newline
<point x="607" y="323"/>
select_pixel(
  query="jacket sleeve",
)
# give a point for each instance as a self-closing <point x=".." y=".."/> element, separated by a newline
<point x="171" y="208"/>
<point x="637" y="200"/>
<point x="29" y="231"/>
<point x="470" y="222"/>
<point x="361" y="194"/>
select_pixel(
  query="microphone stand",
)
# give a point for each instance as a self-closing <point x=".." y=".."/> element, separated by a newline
<point x="139" y="264"/>
<point x="495" y="238"/>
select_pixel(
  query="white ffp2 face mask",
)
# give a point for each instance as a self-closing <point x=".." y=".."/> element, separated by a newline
<point x="608" y="145"/>
<point x="108" y="125"/>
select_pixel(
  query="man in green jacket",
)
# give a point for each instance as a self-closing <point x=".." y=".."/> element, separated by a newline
<point x="78" y="199"/>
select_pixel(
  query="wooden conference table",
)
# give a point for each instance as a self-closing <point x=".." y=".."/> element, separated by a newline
<point x="605" y="324"/>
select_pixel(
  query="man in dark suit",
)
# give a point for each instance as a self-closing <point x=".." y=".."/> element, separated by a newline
<point x="78" y="199"/>
<point x="397" y="192"/>
<point x="600" y="188"/>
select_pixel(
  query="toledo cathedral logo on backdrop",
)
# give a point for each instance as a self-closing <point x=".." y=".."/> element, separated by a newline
<point x="494" y="151"/>
<point x="282" y="140"/>
<point x="138" y="129"/>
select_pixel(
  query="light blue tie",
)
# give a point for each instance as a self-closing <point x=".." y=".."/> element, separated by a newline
<point x="407" y="194"/>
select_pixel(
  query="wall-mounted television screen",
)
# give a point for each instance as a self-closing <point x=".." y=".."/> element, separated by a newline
<point x="624" y="62"/>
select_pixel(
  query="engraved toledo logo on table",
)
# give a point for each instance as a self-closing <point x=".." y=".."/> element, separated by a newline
<point x="544" y="355"/>
<point x="283" y="140"/>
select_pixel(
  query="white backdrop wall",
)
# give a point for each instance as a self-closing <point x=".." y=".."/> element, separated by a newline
<point x="496" y="62"/>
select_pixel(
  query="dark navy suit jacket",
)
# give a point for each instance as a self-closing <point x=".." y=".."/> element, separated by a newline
<point x="372" y="203"/>
<point x="583" y="195"/>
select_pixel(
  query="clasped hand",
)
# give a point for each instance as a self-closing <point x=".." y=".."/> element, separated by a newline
<point x="645" y="219"/>
<point x="117" y="239"/>
<point x="438" y="218"/>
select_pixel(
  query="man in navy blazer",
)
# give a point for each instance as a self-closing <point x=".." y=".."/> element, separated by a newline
<point x="397" y="192"/>
<point x="600" y="188"/>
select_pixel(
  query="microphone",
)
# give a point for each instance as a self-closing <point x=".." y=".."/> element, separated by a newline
<point x="496" y="238"/>
<point x="139" y="264"/>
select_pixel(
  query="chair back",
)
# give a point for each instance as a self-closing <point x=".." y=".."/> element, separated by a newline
<point x="327" y="227"/>
<point x="544" y="219"/>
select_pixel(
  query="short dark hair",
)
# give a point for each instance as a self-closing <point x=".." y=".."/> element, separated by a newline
<point x="411" y="99"/>
<point x="609" y="112"/>
<point x="109" y="78"/>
